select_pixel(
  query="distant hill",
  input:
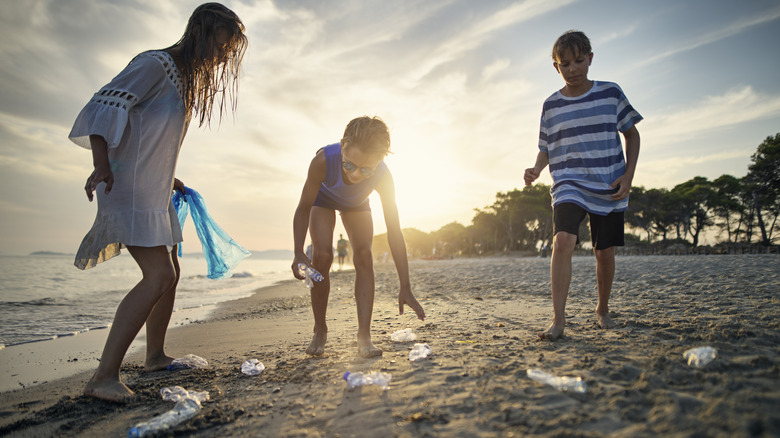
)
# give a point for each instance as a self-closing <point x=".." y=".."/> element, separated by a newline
<point x="276" y="254"/>
<point x="270" y="254"/>
<point x="49" y="253"/>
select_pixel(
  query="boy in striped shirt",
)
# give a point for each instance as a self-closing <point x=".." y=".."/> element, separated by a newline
<point x="579" y="138"/>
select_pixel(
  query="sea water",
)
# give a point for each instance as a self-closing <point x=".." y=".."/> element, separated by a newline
<point x="45" y="297"/>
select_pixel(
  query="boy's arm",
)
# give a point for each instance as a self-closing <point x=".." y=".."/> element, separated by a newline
<point x="311" y="187"/>
<point x="532" y="173"/>
<point x="395" y="239"/>
<point x="632" y="156"/>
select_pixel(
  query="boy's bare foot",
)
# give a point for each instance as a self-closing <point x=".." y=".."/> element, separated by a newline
<point x="157" y="363"/>
<point x="317" y="345"/>
<point x="366" y="348"/>
<point x="605" y="321"/>
<point x="553" y="332"/>
<point x="111" y="390"/>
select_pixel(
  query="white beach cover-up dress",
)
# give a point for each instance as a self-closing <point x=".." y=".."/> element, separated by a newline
<point x="142" y="116"/>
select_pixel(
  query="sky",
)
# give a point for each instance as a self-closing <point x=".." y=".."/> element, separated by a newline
<point x="460" y="83"/>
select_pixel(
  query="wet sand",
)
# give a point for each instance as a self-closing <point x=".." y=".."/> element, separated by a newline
<point x="483" y="316"/>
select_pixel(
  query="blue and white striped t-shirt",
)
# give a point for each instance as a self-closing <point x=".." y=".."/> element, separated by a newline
<point x="581" y="136"/>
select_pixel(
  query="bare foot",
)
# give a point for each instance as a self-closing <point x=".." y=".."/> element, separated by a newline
<point x="157" y="363"/>
<point x="317" y="346"/>
<point x="605" y="321"/>
<point x="111" y="390"/>
<point x="367" y="349"/>
<point x="552" y="333"/>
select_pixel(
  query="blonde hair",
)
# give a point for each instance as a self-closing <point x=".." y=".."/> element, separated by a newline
<point x="369" y="134"/>
<point x="209" y="79"/>
<point x="573" y="40"/>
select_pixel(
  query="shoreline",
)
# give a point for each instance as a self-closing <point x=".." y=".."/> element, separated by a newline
<point x="482" y="320"/>
<point x="38" y="362"/>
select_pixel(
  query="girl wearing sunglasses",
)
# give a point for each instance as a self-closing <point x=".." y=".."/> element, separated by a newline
<point x="341" y="177"/>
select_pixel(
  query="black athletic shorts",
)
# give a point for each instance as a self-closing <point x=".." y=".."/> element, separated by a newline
<point x="605" y="231"/>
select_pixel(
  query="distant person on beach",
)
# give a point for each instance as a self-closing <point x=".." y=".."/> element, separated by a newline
<point x="135" y="126"/>
<point x="341" y="177"/>
<point x="578" y="138"/>
<point x="341" y="248"/>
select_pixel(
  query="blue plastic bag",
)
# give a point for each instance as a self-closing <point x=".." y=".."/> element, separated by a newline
<point x="221" y="251"/>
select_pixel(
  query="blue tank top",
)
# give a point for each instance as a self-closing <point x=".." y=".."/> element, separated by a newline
<point x="335" y="192"/>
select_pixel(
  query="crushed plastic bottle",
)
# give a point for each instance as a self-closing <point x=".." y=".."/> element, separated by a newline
<point x="373" y="378"/>
<point x="252" y="367"/>
<point x="187" y="362"/>
<point x="698" y="357"/>
<point x="403" y="335"/>
<point x="419" y="351"/>
<point x="183" y="410"/>
<point x="177" y="393"/>
<point x="565" y="384"/>
<point x="309" y="274"/>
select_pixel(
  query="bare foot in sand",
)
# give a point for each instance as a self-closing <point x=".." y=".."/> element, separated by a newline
<point x="367" y="349"/>
<point x="157" y="363"/>
<point x="553" y="332"/>
<point x="317" y="346"/>
<point x="605" y="321"/>
<point x="111" y="390"/>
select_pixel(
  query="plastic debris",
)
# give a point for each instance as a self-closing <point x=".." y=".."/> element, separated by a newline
<point x="252" y="367"/>
<point x="419" y="352"/>
<point x="701" y="356"/>
<point x="575" y="384"/>
<point x="187" y="406"/>
<point x="177" y="393"/>
<point x="403" y="335"/>
<point x="380" y="379"/>
<point x="310" y="275"/>
<point x="187" y="362"/>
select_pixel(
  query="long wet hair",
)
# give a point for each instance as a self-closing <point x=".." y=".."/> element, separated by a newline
<point x="369" y="134"/>
<point x="209" y="78"/>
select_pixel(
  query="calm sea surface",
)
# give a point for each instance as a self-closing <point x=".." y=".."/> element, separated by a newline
<point x="43" y="297"/>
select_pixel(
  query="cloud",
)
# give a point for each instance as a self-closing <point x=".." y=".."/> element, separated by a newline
<point x="737" y="106"/>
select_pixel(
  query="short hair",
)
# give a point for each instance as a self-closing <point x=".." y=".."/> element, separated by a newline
<point x="573" y="40"/>
<point x="369" y="134"/>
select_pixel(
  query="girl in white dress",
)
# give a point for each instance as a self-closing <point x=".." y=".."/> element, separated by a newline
<point x="135" y="126"/>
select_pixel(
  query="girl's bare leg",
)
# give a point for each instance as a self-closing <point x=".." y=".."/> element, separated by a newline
<point x="322" y="222"/>
<point x="133" y="311"/>
<point x="360" y="229"/>
<point x="157" y="324"/>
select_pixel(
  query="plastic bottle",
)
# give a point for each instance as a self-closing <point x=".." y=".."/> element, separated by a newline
<point x="310" y="274"/>
<point x="373" y="378"/>
<point x="419" y="351"/>
<point x="252" y="367"/>
<point x="183" y="410"/>
<point x="698" y="357"/>
<point x="575" y="384"/>
<point x="187" y="362"/>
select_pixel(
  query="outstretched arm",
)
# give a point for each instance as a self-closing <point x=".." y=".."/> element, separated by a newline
<point x="623" y="183"/>
<point x="311" y="187"/>
<point x="395" y="239"/>
<point x="532" y="173"/>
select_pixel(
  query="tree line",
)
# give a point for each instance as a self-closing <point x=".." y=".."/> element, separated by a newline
<point x="738" y="210"/>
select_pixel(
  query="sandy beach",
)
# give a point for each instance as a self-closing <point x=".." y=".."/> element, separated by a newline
<point x="482" y="319"/>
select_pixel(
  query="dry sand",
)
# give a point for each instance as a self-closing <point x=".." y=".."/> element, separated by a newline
<point x="483" y="316"/>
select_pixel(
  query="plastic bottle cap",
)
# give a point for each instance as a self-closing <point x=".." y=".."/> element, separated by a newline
<point x="346" y="375"/>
